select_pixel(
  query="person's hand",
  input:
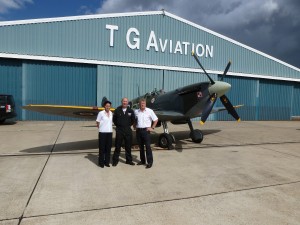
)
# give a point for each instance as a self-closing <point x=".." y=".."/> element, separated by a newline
<point x="150" y="129"/>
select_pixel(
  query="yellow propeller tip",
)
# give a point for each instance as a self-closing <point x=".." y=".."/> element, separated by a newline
<point x="239" y="120"/>
<point x="201" y="123"/>
<point x="193" y="53"/>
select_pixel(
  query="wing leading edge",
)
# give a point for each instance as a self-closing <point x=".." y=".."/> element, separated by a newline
<point x="86" y="112"/>
<point x="91" y="112"/>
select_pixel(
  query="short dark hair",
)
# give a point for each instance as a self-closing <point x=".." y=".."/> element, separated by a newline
<point x="106" y="103"/>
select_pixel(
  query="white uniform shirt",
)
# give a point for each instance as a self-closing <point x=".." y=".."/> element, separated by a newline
<point x="144" y="118"/>
<point x="105" y="122"/>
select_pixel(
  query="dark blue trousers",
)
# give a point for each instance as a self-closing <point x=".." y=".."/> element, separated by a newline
<point x="105" y="142"/>
<point x="143" y="138"/>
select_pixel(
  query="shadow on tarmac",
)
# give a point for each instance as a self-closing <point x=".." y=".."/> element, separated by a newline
<point x="8" y="123"/>
<point x="93" y="144"/>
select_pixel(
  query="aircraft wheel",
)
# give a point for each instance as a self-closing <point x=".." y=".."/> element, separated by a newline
<point x="196" y="136"/>
<point x="165" y="141"/>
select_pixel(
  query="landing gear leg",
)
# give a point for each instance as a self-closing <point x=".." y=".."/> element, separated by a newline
<point x="195" y="135"/>
<point x="165" y="140"/>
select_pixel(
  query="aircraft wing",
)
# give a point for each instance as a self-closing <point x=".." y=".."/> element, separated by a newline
<point x="219" y="109"/>
<point x="83" y="112"/>
<point x="168" y="115"/>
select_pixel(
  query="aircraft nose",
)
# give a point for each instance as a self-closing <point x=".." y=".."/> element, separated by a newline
<point x="219" y="87"/>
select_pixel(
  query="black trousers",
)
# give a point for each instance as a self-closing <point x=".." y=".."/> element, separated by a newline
<point x="121" y="135"/>
<point x="105" y="142"/>
<point x="143" y="138"/>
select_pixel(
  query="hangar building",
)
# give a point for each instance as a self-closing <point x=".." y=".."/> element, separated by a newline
<point x="78" y="60"/>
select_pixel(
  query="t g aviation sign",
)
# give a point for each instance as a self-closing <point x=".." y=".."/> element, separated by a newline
<point x="158" y="44"/>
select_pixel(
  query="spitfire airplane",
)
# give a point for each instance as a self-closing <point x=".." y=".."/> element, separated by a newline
<point x="178" y="106"/>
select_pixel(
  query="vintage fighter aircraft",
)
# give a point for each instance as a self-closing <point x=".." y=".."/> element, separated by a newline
<point x="178" y="106"/>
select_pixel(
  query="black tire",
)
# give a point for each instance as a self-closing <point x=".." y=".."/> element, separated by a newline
<point x="2" y="121"/>
<point x="196" y="136"/>
<point x="165" y="141"/>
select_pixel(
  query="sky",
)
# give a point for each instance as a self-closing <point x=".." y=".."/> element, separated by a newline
<point x="270" y="26"/>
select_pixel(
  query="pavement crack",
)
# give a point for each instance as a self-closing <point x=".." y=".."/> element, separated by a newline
<point x="165" y="200"/>
<point x="283" y="153"/>
<point x="31" y="194"/>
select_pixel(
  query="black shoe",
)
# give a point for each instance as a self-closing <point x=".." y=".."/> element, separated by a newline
<point x="148" y="166"/>
<point x="130" y="163"/>
<point x="114" y="164"/>
<point x="101" y="165"/>
<point x="107" y="165"/>
<point x="141" y="163"/>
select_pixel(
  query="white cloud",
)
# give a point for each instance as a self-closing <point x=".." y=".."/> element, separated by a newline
<point x="6" y="5"/>
<point x="262" y="24"/>
<point x="214" y="14"/>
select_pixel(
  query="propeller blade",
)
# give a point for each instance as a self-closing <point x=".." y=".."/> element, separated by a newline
<point x="225" y="101"/>
<point x="211" y="80"/>
<point x="225" y="71"/>
<point x="208" y="107"/>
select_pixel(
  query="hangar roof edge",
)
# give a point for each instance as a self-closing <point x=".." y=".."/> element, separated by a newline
<point x="162" y="12"/>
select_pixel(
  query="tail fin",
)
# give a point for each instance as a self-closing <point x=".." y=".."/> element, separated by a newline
<point x="104" y="99"/>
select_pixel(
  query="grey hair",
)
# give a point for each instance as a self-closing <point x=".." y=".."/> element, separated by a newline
<point x="124" y="98"/>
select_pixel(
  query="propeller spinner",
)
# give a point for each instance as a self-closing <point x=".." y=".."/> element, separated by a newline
<point x="217" y="89"/>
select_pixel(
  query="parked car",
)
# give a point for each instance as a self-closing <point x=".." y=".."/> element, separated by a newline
<point x="7" y="107"/>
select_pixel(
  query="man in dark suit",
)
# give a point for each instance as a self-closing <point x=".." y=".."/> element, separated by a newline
<point x="123" y="118"/>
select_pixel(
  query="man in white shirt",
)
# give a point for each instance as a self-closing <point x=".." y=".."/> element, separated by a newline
<point x="146" y="121"/>
<point x="104" y="124"/>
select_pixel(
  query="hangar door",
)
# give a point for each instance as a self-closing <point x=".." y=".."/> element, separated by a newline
<point x="296" y="100"/>
<point x="243" y="92"/>
<point x="11" y="81"/>
<point x="115" y="82"/>
<point x="275" y="100"/>
<point x="58" y="83"/>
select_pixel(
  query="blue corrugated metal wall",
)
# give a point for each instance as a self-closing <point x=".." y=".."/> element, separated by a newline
<point x="243" y="92"/>
<point x="176" y="79"/>
<point x="37" y="82"/>
<point x="58" y="83"/>
<point x="11" y="81"/>
<point x="275" y="100"/>
<point x="117" y="82"/>
<point x="89" y="39"/>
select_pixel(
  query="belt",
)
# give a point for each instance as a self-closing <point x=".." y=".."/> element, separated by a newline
<point x="141" y="128"/>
